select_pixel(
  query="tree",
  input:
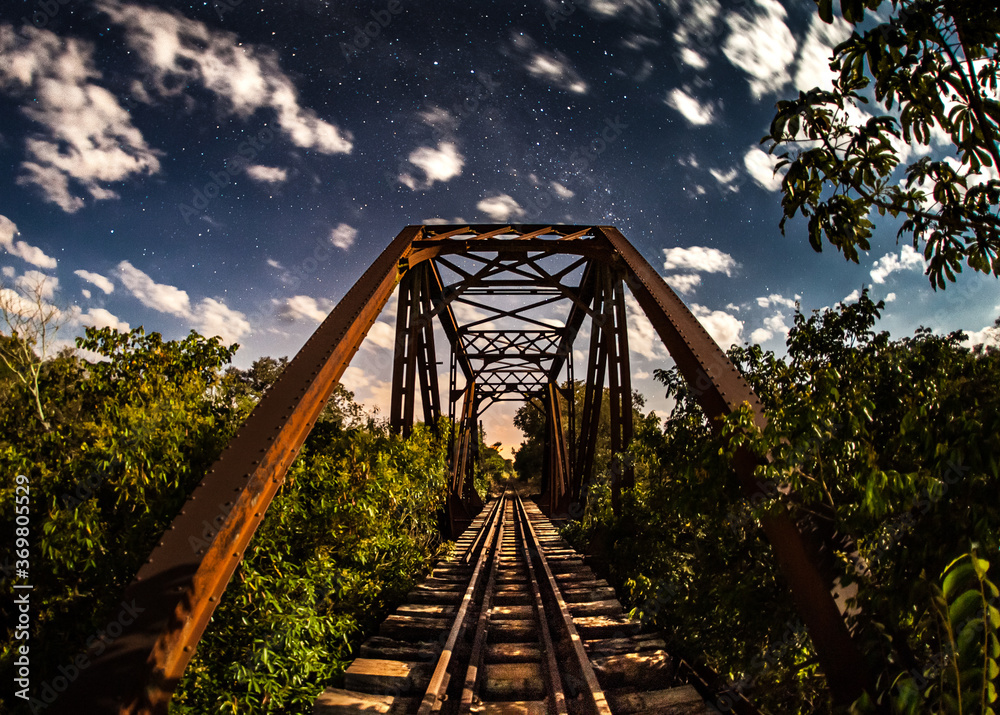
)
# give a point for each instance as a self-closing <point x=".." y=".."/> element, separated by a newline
<point x="931" y="72"/>
<point x="32" y="323"/>
<point x="530" y="419"/>
<point x="896" y="442"/>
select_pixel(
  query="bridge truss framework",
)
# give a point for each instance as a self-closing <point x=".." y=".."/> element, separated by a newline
<point x="492" y="289"/>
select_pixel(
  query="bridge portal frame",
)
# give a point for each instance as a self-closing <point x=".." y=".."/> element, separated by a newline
<point x="179" y="586"/>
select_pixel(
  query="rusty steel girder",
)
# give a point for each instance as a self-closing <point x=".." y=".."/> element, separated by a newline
<point x="467" y="277"/>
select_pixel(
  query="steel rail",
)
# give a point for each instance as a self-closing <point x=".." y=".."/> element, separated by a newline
<point x="598" y="701"/>
<point x="476" y="654"/>
<point x="474" y="546"/>
<point x="438" y="685"/>
<point x="558" y="701"/>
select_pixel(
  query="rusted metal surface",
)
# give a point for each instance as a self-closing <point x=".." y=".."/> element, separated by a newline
<point x="414" y="361"/>
<point x="179" y="586"/>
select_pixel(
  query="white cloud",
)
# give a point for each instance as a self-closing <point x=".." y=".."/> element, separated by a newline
<point x="97" y="279"/>
<point x="636" y="12"/>
<point x="696" y="25"/>
<point x="438" y="118"/>
<point x="178" y="53"/>
<point x="441" y="164"/>
<point x="101" y="318"/>
<point x="84" y="138"/>
<point x="694" y="59"/>
<point x="683" y="283"/>
<point x="368" y="389"/>
<point x="989" y="336"/>
<point x="30" y="281"/>
<point x="210" y="316"/>
<point x="14" y="302"/>
<point x="275" y="264"/>
<point x="158" y="296"/>
<point x="85" y="293"/>
<point x="776" y="299"/>
<point x="760" y="165"/>
<point x="852" y="296"/>
<point x="813" y="68"/>
<point x="908" y="259"/>
<point x="500" y="207"/>
<point x="773" y="325"/>
<point x="303" y="307"/>
<point x="763" y="47"/>
<point x="723" y="327"/>
<point x="891" y="297"/>
<point x="724" y="177"/>
<point x="642" y="337"/>
<point x="267" y="174"/>
<point x="556" y="68"/>
<point x="381" y="335"/>
<point x="33" y="255"/>
<point x="551" y="67"/>
<point x="698" y="258"/>
<point x="695" y="112"/>
<point x="342" y="236"/>
<point x="561" y="191"/>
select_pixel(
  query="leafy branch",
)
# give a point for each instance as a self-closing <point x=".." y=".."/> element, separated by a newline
<point x="931" y="72"/>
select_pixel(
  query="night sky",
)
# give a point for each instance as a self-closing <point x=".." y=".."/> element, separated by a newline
<point x="233" y="167"/>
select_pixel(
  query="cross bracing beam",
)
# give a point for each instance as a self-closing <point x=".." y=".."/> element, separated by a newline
<point x="177" y="589"/>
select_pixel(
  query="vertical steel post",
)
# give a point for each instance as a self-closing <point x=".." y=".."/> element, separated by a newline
<point x="404" y="357"/>
<point x="615" y="332"/>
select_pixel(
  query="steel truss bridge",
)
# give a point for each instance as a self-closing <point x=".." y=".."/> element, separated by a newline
<point x="493" y="290"/>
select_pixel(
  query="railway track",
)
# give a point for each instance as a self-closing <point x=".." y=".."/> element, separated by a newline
<point x="514" y="622"/>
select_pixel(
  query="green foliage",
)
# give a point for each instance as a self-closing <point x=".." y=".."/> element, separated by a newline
<point x="929" y="76"/>
<point x="894" y="440"/>
<point x="354" y="522"/>
<point x="962" y="621"/>
<point x="126" y="440"/>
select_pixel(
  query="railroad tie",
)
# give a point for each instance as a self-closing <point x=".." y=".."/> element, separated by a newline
<point x="513" y="622"/>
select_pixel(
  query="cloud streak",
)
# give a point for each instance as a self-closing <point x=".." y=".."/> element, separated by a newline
<point x="84" y="138"/>
<point x="177" y="53"/>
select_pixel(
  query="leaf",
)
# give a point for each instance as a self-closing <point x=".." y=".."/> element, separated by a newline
<point x="957" y="577"/>
<point x="964" y="607"/>
<point x="826" y="10"/>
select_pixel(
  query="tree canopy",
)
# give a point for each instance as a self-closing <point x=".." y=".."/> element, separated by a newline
<point x="910" y="129"/>
<point x="896" y="442"/>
